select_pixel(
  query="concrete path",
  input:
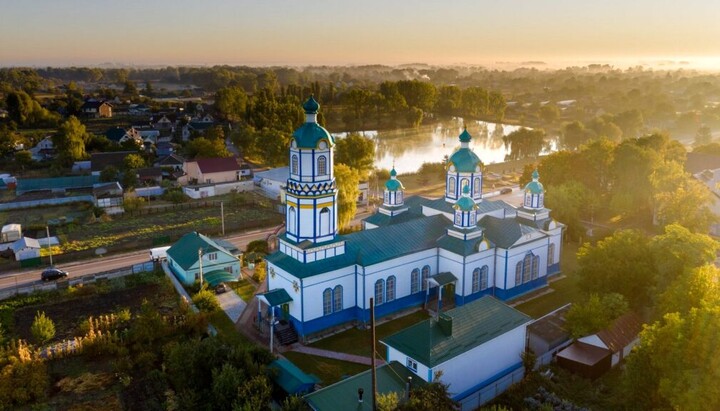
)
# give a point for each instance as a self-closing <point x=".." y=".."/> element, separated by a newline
<point x="358" y="359"/>
<point x="232" y="304"/>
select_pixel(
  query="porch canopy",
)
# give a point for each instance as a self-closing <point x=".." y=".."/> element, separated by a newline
<point x="442" y="279"/>
<point x="275" y="297"/>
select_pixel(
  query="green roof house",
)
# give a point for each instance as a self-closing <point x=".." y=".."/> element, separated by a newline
<point x="468" y="348"/>
<point x="218" y="265"/>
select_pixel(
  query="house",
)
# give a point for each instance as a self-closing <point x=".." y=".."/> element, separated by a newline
<point x="451" y="347"/>
<point x="26" y="248"/>
<point x="96" y="109"/>
<point x="272" y="182"/>
<point x="165" y="122"/>
<point x="149" y="175"/>
<point x="109" y="197"/>
<point x="120" y="135"/>
<point x="195" y="255"/>
<point x="172" y="162"/>
<point x="211" y="170"/>
<point x="101" y="161"/>
<point x="584" y="359"/>
<point x="619" y="338"/>
<point x="138" y="109"/>
<point x="43" y="150"/>
<point x="344" y="395"/>
<point x="198" y="127"/>
<point x="10" y="232"/>
<point x="164" y="149"/>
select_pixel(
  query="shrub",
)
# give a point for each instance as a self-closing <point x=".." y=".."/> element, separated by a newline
<point x="205" y="301"/>
<point x="257" y="246"/>
<point x="260" y="271"/>
<point x="133" y="203"/>
<point x="175" y="196"/>
<point x="43" y="328"/>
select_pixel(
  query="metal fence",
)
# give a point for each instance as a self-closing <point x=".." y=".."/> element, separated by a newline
<point x="491" y="391"/>
<point x="86" y="279"/>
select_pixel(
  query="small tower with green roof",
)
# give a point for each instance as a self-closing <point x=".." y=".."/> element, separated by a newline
<point x="465" y="217"/>
<point x="464" y="168"/>
<point x="533" y="207"/>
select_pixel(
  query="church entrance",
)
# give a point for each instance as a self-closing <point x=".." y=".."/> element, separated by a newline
<point x="444" y="298"/>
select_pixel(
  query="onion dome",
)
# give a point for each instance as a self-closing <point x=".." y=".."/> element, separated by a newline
<point x="311" y="133"/>
<point x="465" y="160"/>
<point x="311" y="106"/>
<point x="393" y="184"/>
<point x="535" y="186"/>
<point x="465" y="203"/>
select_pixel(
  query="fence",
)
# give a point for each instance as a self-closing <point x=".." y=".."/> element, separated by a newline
<point x="47" y="202"/>
<point x="491" y="391"/>
<point x="86" y="279"/>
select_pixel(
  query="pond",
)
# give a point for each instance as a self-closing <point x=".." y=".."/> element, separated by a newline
<point x="409" y="148"/>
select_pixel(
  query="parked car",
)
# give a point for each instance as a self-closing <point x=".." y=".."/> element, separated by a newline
<point x="53" y="274"/>
<point x="506" y="190"/>
<point x="221" y="288"/>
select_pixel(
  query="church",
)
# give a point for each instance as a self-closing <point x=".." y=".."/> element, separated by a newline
<point x="412" y="252"/>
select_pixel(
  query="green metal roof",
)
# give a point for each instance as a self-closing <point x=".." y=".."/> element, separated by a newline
<point x="276" y="297"/>
<point x="394" y="185"/>
<point x="465" y="204"/>
<point x="504" y="232"/>
<point x="460" y="247"/>
<point x="311" y="106"/>
<point x="444" y="278"/>
<point x="379" y="219"/>
<point x="484" y="206"/>
<point x="25" y="185"/>
<point x="534" y="187"/>
<point x="465" y="160"/>
<point x="393" y="173"/>
<point x="185" y="251"/>
<point x="473" y="324"/>
<point x="310" y="134"/>
<point x="343" y="395"/>
<point x="216" y="277"/>
<point x="291" y="378"/>
<point x="465" y="137"/>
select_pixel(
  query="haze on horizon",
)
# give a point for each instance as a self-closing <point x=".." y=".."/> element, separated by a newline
<point x="328" y="32"/>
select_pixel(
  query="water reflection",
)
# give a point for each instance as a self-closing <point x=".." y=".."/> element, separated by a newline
<point x="410" y="147"/>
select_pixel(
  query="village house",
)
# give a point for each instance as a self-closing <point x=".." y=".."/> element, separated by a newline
<point x="96" y="109"/>
<point x="121" y="135"/>
<point x="195" y="256"/>
<point x="211" y="171"/>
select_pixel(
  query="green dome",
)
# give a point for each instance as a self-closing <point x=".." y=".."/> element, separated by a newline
<point x="310" y="134"/>
<point x="465" y="204"/>
<point x="311" y="106"/>
<point x="465" y="137"/>
<point x="393" y="185"/>
<point x="534" y="187"/>
<point x="464" y="160"/>
<point x="393" y="173"/>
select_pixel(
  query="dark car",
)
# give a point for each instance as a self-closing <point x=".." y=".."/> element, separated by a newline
<point x="53" y="274"/>
<point x="221" y="288"/>
<point x="506" y="190"/>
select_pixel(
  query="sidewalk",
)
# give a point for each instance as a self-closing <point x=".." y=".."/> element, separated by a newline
<point x="358" y="359"/>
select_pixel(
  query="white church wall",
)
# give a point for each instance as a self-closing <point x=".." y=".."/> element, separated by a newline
<point x="283" y="279"/>
<point x="517" y="254"/>
<point x="479" y="260"/>
<point x="401" y="268"/>
<point x="313" y="288"/>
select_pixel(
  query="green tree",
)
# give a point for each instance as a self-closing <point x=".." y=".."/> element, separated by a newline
<point x="357" y="152"/>
<point x="449" y="100"/>
<point x="418" y="94"/>
<point x="712" y="148"/>
<point x="630" y="122"/>
<point x="225" y="383"/>
<point x="42" y="328"/>
<point x="109" y="174"/>
<point x="254" y="394"/>
<point x="201" y="147"/>
<point x="134" y="161"/>
<point x="133" y="203"/>
<point x="703" y="136"/>
<point x="525" y="143"/>
<point x="431" y="397"/>
<point x="23" y="158"/>
<point x="594" y="315"/>
<point x="621" y="263"/>
<point x="294" y="403"/>
<point x="474" y="102"/>
<point x="574" y="134"/>
<point x="347" y="181"/>
<point x="549" y="113"/>
<point x="687" y="205"/>
<point x="205" y="301"/>
<point x="70" y="139"/>
<point x="231" y="103"/>
<point x="570" y="203"/>
<point x="694" y="288"/>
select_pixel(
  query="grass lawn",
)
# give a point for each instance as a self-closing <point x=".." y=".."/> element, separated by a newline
<point x="347" y="341"/>
<point x="244" y="288"/>
<point x="226" y="329"/>
<point x="328" y="370"/>
<point x="564" y="290"/>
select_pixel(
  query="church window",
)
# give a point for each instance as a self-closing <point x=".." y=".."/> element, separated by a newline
<point x="476" y="191"/>
<point x="291" y="220"/>
<point x="387" y="197"/>
<point x="399" y="196"/>
<point x="327" y="301"/>
<point x="414" y="281"/>
<point x="337" y="298"/>
<point x="324" y="226"/>
<point x="535" y="267"/>
<point x="476" y="280"/>
<point x="527" y="263"/>
<point x="472" y="218"/>
<point x="451" y="186"/>
<point x="458" y="218"/>
<point x="465" y="182"/>
<point x="518" y="273"/>
<point x="322" y="165"/>
<point x="541" y="202"/>
<point x="379" y="291"/>
<point x="551" y="254"/>
<point x="484" y="277"/>
<point x="425" y="276"/>
<point x="294" y="164"/>
<point x="528" y="200"/>
<point x="390" y="289"/>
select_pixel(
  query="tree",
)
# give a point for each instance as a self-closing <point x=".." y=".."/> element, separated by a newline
<point x="201" y="147"/>
<point x="474" y="102"/>
<point x="70" y="139"/>
<point x="571" y="202"/>
<point x="594" y="315"/>
<point x="23" y="158"/>
<point x="631" y="170"/>
<point x="109" y="174"/>
<point x="231" y="103"/>
<point x="431" y="397"/>
<point x="134" y="161"/>
<point x="694" y="288"/>
<point x="347" y="181"/>
<point x="549" y="113"/>
<point x="254" y="394"/>
<point x="712" y="148"/>
<point x="703" y="136"/>
<point x="574" y="134"/>
<point x="26" y="111"/>
<point x="630" y="122"/>
<point x="133" y="203"/>
<point x="621" y="263"/>
<point x="525" y="143"/>
<point x="688" y="205"/>
<point x="357" y="152"/>
<point x="225" y="383"/>
<point x="42" y="328"/>
<point x="418" y="94"/>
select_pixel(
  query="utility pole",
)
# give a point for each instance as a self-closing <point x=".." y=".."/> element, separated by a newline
<point x="47" y="231"/>
<point x="200" y="254"/>
<point x="222" y="217"/>
<point x="372" y="356"/>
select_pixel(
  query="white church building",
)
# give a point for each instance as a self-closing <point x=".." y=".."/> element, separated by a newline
<point x="414" y="251"/>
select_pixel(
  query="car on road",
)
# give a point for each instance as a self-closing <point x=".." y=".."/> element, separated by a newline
<point x="53" y="274"/>
<point x="222" y="288"/>
<point x="506" y="190"/>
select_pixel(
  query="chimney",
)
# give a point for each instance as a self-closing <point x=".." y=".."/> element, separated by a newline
<point x="360" y="394"/>
<point x="445" y="324"/>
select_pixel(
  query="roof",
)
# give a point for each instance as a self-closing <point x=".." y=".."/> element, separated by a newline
<point x="200" y="125"/>
<point x="149" y="191"/>
<point x="115" y="133"/>
<point x="310" y="134"/>
<point x="216" y="277"/>
<point x="11" y="227"/>
<point x="622" y="332"/>
<point x="473" y="324"/>
<point x="584" y="353"/>
<point x="465" y="137"/>
<point x="379" y="219"/>
<point x="276" y="174"/>
<point x="291" y="378"/>
<point x="25" y="242"/>
<point x="107" y="189"/>
<point x="149" y="172"/>
<point x="465" y="160"/>
<point x="371" y="246"/>
<point x="444" y="278"/>
<point x="342" y="395"/>
<point x="394" y="184"/>
<point x="99" y="161"/>
<point x="25" y="185"/>
<point x="311" y="106"/>
<point x="172" y="159"/>
<point x="551" y="328"/>
<point x="697" y="162"/>
<point x="217" y="165"/>
<point x="458" y="246"/>
<point x="504" y="232"/>
<point x="92" y="104"/>
<point x="534" y="187"/>
<point x="276" y="297"/>
<point x="185" y="251"/>
<point x="483" y="207"/>
<point x="465" y="203"/>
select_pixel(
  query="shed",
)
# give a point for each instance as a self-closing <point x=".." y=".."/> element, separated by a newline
<point x="619" y="338"/>
<point x="10" y="232"/>
<point x="26" y="248"/>
<point x="291" y="378"/>
<point x="548" y="333"/>
<point x="584" y="359"/>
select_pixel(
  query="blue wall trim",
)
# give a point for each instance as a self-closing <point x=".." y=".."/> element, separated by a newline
<point x="520" y="290"/>
<point x="553" y="269"/>
<point x="487" y="382"/>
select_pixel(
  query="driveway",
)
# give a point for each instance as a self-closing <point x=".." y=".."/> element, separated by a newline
<point x="232" y="304"/>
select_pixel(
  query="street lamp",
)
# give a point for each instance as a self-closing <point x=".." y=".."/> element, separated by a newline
<point x="200" y="254"/>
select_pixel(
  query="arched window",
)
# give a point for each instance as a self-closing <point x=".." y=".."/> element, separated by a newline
<point x="327" y="301"/>
<point x="379" y="291"/>
<point x="527" y="266"/>
<point x="465" y="182"/>
<point x="535" y="267"/>
<point x="541" y="201"/>
<point x="399" y="196"/>
<point x="458" y="218"/>
<point x="387" y="197"/>
<point x="390" y="289"/>
<point x="425" y="276"/>
<point x="451" y="186"/>
<point x="518" y="273"/>
<point x="551" y="254"/>
<point x="472" y="218"/>
<point x="337" y="298"/>
<point x="528" y="200"/>
<point x="476" y="190"/>
<point x="484" y="277"/>
<point x="294" y="164"/>
<point x="476" y="280"/>
<point x="324" y="222"/>
<point x="322" y="165"/>
<point x="291" y="220"/>
<point x="414" y="281"/>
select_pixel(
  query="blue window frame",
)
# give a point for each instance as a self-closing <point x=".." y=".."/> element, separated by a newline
<point x="414" y="281"/>
<point x="425" y="276"/>
<point x="337" y="298"/>
<point x="327" y="301"/>
<point x="379" y="292"/>
<point x="390" y="289"/>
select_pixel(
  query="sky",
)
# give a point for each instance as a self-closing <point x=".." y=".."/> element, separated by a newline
<point x="339" y="32"/>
